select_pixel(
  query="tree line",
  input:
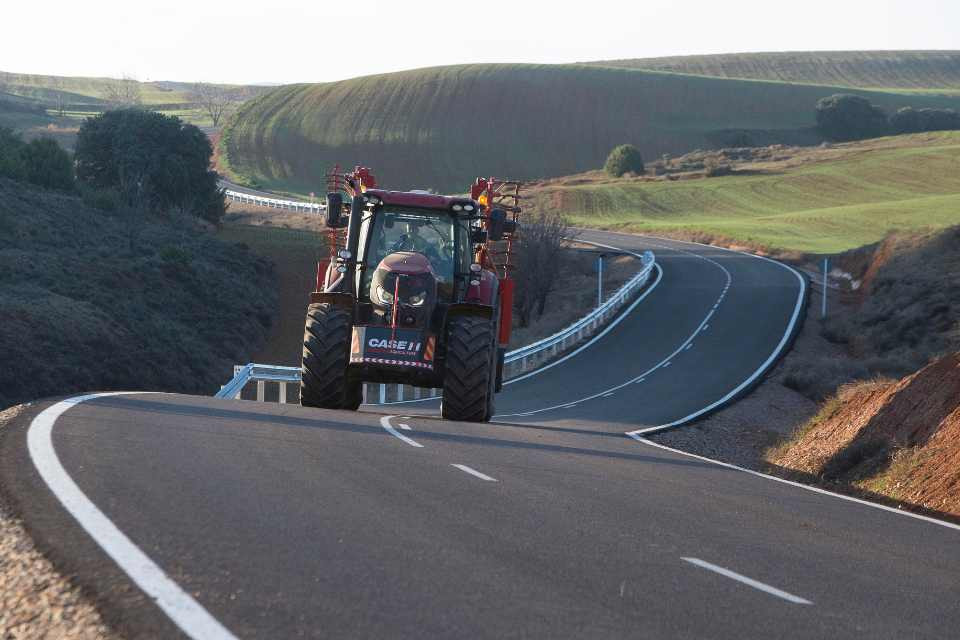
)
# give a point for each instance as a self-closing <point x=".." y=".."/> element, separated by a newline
<point x="844" y="117"/>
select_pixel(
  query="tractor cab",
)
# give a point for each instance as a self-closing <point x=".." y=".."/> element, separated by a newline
<point x="439" y="237"/>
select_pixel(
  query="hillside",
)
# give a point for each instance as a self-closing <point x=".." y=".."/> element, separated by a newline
<point x="441" y="127"/>
<point x="31" y="104"/>
<point x="815" y="200"/>
<point x="91" y="301"/>
<point x="903" y="70"/>
<point x="896" y="439"/>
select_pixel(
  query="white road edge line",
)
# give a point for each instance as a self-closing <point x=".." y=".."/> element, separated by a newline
<point x="474" y="472"/>
<point x="385" y="423"/>
<point x="763" y="367"/>
<point x="747" y="581"/>
<point x="195" y="621"/>
<point x="663" y="363"/>
<point x="800" y="485"/>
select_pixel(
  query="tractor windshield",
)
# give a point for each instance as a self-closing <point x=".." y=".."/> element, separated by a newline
<point x="432" y="233"/>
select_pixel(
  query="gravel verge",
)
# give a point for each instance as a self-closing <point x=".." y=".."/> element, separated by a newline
<point x="36" y="601"/>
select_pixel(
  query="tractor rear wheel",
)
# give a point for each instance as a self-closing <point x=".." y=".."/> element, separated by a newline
<point x="326" y="351"/>
<point x="470" y="370"/>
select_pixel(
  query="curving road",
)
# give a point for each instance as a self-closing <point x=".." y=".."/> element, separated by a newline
<point x="220" y="519"/>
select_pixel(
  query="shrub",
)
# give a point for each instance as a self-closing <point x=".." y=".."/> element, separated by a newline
<point x="42" y="162"/>
<point x="48" y="164"/>
<point x="624" y="159"/>
<point x="154" y="161"/>
<point x="910" y="120"/>
<point x="12" y="164"/>
<point x="714" y="168"/>
<point x="102" y="199"/>
<point x="846" y="117"/>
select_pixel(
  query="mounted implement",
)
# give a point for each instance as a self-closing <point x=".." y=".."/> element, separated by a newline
<point x="417" y="291"/>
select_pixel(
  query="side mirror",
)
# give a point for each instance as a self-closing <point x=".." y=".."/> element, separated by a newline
<point x="495" y="224"/>
<point x="334" y="210"/>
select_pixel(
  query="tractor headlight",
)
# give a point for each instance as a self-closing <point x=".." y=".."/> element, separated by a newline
<point x="385" y="296"/>
<point x="417" y="300"/>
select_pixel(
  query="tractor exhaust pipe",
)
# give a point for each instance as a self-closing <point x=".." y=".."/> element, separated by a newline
<point x="353" y="241"/>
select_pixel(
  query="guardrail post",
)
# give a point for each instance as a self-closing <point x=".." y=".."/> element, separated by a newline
<point x="283" y="392"/>
<point x="400" y="392"/>
<point x="260" y="386"/>
<point x="383" y="394"/>
<point x="416" y="393"/>
<point x="364" y="385"/>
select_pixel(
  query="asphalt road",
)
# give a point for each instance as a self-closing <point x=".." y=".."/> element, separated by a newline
<point x="222" y="519"/>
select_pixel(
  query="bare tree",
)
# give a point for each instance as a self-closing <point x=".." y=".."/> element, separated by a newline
<point x="123" y="92"/>
<point x="215" y="101"/>
<point x="543" y="236"/>
<point x="59" y="86"/>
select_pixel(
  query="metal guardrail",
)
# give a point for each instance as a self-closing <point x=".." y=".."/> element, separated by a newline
<point x="261" y="373"/>
<point x="274" y="203"/>
<point x="535" y="353"/>
<point x="518" y="360"/>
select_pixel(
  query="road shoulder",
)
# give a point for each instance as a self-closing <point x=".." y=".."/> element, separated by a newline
<point x="36" y="600"/>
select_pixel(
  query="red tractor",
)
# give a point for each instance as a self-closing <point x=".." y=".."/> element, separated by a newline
<point x="417" y="291"/>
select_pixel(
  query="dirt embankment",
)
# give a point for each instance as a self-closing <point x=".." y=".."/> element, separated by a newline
<point x="871" y="435"/>
<point x="899" y="439"/>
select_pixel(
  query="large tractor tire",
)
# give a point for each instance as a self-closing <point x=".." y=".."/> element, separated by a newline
<point x="326" y="352"/>
<point x="470" y="371"/>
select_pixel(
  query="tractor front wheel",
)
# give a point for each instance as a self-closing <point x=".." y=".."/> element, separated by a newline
<point x="470" y="370"/>
<point x="326" y="351"/>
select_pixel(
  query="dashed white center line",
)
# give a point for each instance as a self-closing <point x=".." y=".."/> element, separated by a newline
<point x="385" y="423"/>
<point x="789" y="597"/>
<point x="405" y="426"/>
<point x="704" y="328"/>
<point x="607" y="395"/>
<point x="569" y="406"/>
<point x="474" y="472"/>
<point x="666" y="364"/>
<point x="688" y="347"/>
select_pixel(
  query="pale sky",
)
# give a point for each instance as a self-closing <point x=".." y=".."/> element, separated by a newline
<point x="283" y="41"/>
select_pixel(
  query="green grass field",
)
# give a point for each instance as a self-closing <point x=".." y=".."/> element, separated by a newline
<point x="441" y="127"/>
<point x="902" y="183"/>
<point x="921" y="71"/>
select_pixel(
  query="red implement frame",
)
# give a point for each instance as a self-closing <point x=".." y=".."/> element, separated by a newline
<point x="490" y="194"/>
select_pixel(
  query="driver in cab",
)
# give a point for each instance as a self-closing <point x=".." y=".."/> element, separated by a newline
<point x="412" y="240"/>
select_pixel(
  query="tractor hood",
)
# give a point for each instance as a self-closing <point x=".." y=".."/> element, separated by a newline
<point x="403" y="290"/>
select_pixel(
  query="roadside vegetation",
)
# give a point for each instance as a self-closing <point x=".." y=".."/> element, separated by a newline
<point x="905" y="312"/>
<point x="87" y="303"/>
<point x="441" y="127"/>
<point x="113" y="280"/>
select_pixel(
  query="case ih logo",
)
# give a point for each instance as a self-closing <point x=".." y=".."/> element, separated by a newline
<point x="402" y="346"/>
